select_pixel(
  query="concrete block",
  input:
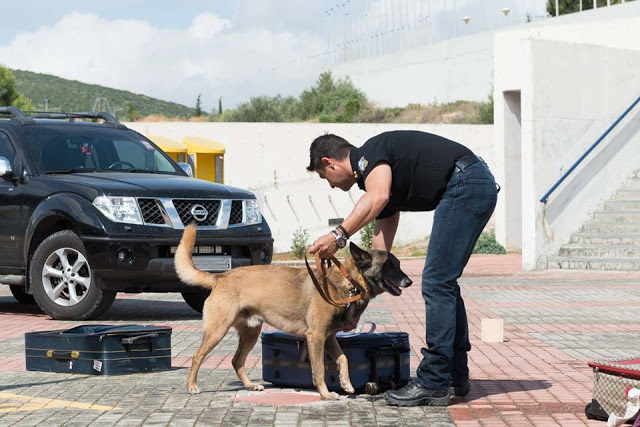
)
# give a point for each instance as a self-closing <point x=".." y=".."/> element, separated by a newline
<point x="492" y="330"/>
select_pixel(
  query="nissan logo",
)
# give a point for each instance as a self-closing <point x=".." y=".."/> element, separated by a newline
<point x="199" y="212"/>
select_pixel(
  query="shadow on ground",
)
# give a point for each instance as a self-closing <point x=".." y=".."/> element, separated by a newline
<point x="9" y="305"/>
<point x="484" y="388"/>
<point x="129" y="309"/>
<point x="147" y="309"/>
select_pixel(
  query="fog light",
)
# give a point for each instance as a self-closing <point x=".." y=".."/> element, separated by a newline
<point x="264" y="255"/>
<point x="125" y="257"/>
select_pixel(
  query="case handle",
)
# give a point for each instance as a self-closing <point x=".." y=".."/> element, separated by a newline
<point x="147" y="338"/>
<point x="63" y="355"/>
<point x="132" y="340"/>
<point x="360" y="327"/>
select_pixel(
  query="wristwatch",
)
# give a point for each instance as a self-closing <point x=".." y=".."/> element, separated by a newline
<point x="341" y="241"/>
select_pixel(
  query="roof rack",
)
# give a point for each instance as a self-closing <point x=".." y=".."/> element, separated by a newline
<point x="108" y="118"/>
<point x="20" y="116"/>
<point x="15" y="114"/>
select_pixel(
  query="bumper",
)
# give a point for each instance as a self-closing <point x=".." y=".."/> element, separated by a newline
<point x="149" y="263"/>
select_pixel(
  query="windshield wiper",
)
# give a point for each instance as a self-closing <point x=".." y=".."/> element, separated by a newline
<point x="144" y="171"/>
<point x="67" y="171"/>
<point x="124" y="170"/>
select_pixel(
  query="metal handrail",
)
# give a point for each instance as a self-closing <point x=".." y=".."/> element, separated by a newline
<point x="586" y="153"/>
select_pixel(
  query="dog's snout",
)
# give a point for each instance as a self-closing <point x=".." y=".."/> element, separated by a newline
<point x="406" y="282"/>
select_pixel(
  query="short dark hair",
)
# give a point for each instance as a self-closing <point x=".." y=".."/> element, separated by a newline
<point x="327" y="145"/>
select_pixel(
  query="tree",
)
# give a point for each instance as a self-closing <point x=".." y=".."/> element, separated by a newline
<point x="571" y="6"/>
<point x="484" y="115"/>
<point x="258" y="109"/>
<point x="198" y="112"/>
<point x="337" y="100"/>
<point x="132" y="114"/>
<point x="220" y="106"/>
<point x="8" y="87"/>
<point x="9" y="94"/>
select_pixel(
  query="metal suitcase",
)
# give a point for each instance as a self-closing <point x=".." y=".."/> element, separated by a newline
<point x="611" y="379"/>
<point x="377" y="361"/>
<point x="100" y="349"/>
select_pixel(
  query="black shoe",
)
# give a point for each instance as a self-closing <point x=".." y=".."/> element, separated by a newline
<point x="460" y="388"/>
<point x="414" y="394"/>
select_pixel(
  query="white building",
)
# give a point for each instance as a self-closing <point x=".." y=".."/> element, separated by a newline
<point x="558" y="85"/>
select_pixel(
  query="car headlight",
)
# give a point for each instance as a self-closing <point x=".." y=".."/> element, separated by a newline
<point x="252" y="212"/>
<point x="119" y="209"/>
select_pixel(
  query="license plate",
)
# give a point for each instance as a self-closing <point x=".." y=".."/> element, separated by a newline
<point x="212" y="263"/>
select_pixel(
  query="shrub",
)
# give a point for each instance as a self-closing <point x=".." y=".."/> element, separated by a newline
<point x="366" y="235"/>
<point x="484" y="116"/>
<point x="487" y="244"/>
<point x="300" y="242"/>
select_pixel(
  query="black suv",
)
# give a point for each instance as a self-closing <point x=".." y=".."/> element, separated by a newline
<point x="89" y="208"/>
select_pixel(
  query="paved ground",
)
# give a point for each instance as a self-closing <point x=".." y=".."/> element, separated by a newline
<point x="555" y="321"/>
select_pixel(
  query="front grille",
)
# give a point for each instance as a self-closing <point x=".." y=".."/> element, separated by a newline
<point x="151" y="211"/>
<point x="184" y="206"/>
<point x="236" y="212"/>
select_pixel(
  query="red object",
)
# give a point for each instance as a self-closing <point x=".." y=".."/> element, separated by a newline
<point x="629" y="368"/>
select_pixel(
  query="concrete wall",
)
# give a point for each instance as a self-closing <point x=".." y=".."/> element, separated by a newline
<point x="564" y="117"/>
<point x="446" y="71"/>
<point x="462" y="68"/>
<point x="561" y="118"/>
<point x="514" y="74"/>
<point x="270" y="159"/>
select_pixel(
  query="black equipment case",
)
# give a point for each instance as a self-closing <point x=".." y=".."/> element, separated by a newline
<point x="377" y="361"/>
<point x="100" y="349"/>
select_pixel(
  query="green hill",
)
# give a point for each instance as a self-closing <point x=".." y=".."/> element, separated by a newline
<point x="72" y="95"/>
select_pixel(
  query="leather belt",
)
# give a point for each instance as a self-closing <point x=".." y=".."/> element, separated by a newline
<point x="464" y="162"/>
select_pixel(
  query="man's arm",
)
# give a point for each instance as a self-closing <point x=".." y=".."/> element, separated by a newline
<point x="378" y="186"/>
<point x="384" y="232"/>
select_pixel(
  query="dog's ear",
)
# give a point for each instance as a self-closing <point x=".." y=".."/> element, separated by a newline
<point x="361" y="257"/>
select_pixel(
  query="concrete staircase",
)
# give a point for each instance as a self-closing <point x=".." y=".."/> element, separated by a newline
<point x="609" y="241"/>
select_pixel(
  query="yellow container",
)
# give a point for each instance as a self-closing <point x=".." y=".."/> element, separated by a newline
<point x="207" y="157"/>
<point x="176" y="149"/>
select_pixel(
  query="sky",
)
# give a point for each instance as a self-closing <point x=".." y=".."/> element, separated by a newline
<point x="234" y="49"/>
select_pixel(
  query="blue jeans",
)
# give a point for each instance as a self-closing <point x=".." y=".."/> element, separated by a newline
<point x="465" y="209"/>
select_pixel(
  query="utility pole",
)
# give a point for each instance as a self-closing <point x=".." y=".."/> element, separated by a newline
<point x="455" y="20"/>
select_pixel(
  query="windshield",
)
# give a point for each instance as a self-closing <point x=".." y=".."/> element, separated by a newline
<point x="83" y="148"/>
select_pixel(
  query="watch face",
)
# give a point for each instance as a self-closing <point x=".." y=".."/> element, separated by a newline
<point x="340" y="239"/>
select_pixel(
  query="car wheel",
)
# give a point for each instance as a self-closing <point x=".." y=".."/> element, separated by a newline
<point x="21" y="295"/>
<point x="196" y="299"/>
<point x="62" y="281"/>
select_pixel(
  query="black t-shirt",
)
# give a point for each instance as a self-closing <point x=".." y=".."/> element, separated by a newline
<point x="421" y="166"/>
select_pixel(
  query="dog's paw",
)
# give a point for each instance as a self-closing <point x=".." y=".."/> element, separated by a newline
<point x="330" y="396"/>
<point x="255" y="387"/>
<point x="194" y="389"/>
<point x="348" y="388"/>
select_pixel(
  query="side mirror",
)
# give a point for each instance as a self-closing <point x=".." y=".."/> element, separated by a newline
<point x="187" y="168"/>
<point x="5" y="168"/>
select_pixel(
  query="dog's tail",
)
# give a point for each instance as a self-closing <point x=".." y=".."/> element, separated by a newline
<point x="183" y="262"/>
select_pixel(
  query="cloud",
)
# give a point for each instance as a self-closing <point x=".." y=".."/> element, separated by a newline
<point x="211" y="57"/>
<point x="207" y="25"/>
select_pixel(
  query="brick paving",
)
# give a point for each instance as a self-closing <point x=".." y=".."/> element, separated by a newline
<point x="555" y="321"/>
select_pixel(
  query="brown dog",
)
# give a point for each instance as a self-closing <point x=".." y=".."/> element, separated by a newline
<point x="285" y="298"/>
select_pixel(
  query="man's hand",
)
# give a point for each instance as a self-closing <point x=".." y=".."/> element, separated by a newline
<point x="325" y="245"/>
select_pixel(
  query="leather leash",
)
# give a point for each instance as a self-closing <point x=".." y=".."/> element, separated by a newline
<point x="323" y="289"/>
